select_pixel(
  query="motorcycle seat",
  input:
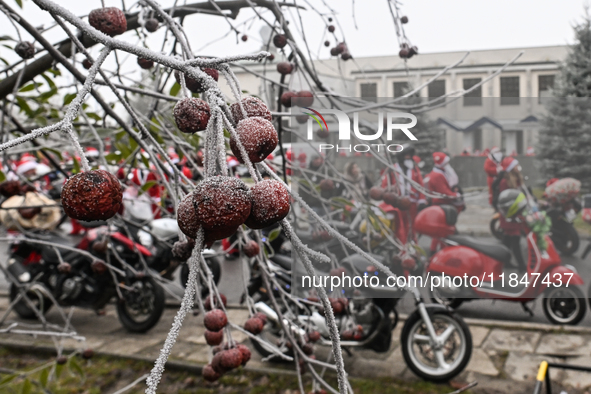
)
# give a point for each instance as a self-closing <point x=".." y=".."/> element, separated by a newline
<point x="282" y="261"/>
<point x="492" y="249"/>
<point x="49" y="255"/>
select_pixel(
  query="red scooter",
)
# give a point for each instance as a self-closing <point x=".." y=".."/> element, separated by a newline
<point x="467" y="268"/>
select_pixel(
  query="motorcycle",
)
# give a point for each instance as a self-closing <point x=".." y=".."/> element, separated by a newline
<point x="482" y="264"/>
<point x="436" y="343"/>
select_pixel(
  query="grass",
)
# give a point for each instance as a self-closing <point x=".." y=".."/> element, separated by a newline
<point x="108" y="374"/>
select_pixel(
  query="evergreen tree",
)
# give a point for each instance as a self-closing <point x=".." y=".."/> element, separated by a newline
<point x="565" y="135"/>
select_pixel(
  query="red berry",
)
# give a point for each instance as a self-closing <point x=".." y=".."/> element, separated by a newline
<point x="231" y="358"/>
<point x="29" y="213"/>
<point x="215" y="320"/>
<point x="88" y="354"/>
<point x="347" y="335"/>
<point x="404" y="19"/>
<point x="98" y="267"/>
<point x="61" y="360"/>
<point x="305" y="98"/>
<point x="152" y="25"/>
<point x="254" y="325"/>
<point x="216" y="363"/>
<point x="337" y="307"/>
<point x="218" y="204"/>
<point x="341" y="47"/>
<point x="280" y="40"/>
<point x="301" y="119"/>
<point x="194" y="85"/>
<point x="346" y="56"/>
<point x="270" y="204"/>
<point x="308" y="348"/>
<point x="334" y="52"/>
<point x="314" y="336"/>
<point x="86" y="64"/>
<point x="391" y="198"/>
<point x="253" y="106"/>
<point x="331" y="28"/>
<point x="251" y="248"/>
<point x="25" y="49"/>
<point x="210" y="374"/>
<point x="245" y="352"/>
<point x="271" y="57"/>
<point x="376" y="193"/>
<point x="327" y="185"/>
<point x="284" y="68"/>
<point x="109" y="20"/>
<point x="146" y="64"/>
<point x="181" y="250"/>
<point x="403" y="53"/>
<point x="259" y="138"/>
<point x="214" y="338"/>
<point x="207" y="303"/>
<point x="10" y="188"/>
<point x="261" y="316"/>
<point x="191" y="115"/>
<point x="244" y="37"/>
<point x="92" y="195"/>
<point x="288" y="99"/>
<point x="326" y="43"/>
<point x="323" y="133"/>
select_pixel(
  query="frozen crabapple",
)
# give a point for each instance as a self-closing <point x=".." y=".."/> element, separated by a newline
<point x="314" y="336"/>
<point x="251" y="248"/>
<point x="109" y="20"/>
<point x="10" y="188"/>
<point x="29" y="213"/>
<point x="215" y="320"/>
<point x="194" y="85"/>
<point x="376" y="193"/>
<point x="25" y="49"/>
<point x="271" y="57"/>
<point x="152" y="25"/>
<point x="323" y="133"/>
<point x="244" y="38"/>
<point x="146" y="64"/>
<point x="216" y="362"/>
<point x="64" y="268"/>
<point x="308" y="348"/>
<point x="346" y="56"/>
<point x="404" y="19"/>
<point x="87" y="354"/>
<point x="280" y="40"/>
<point x="341" y="47"/>
<point x="86" y="64"/>
<point x="61" y="360"/>
<point x="181" y="250"/>
<point x="301" y="119"/>
<point x="92" y="195"/>
<point x="258" y="136"/>
<point x="331" y="28"/>
<point x="326" y="43"/>
<point x="403" y="53"/>
<point x="191" y="115"/>
<point x="218" y="205"/>
<point x="207" y="302"/>
<point x="391" y="199"/>
<point x="284" y="68"/>
<point x="253" y="106"/>
<point x="334" y="52"/>
<point x="210" y="374"/>
<point x="231" y="358"/>
<point x="245" y="352"/>
<point x="270" y="204"/>
<point x="254" y="325"/>
<point x="99" y="267"/>
<point x="214" y="338"/>
<point x="327" y="185"/>
<point x="304" y="98"/>
<point x="261" y="316"/>
<point x="288" y="98"/>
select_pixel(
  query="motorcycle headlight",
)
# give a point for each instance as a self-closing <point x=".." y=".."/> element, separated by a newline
<point x="145" y="239"/>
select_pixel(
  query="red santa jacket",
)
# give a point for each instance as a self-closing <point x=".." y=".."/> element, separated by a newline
<point x="438" y="183"/>
<point x="406" y="189"/>
<point x="490" y="167"/>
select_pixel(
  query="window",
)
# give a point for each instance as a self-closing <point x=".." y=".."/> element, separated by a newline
<point x="545" y="83"/>
<point x="369" y="91"/>
<point x="473" y="98"/>
<point x="400" y="89"/>
<point x="477" y="140"/>
<point x="509" y="90"/>
<point x="436" y="89"/>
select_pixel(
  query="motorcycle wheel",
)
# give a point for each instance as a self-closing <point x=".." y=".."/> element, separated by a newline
<point x="141" y="309"/>
<point x="495" y="228"/>
<point x="436" y="297"/>
<point x="216" y="270"/>
<point x="419" y="353"/>
<point x="23" y="309"/>
<point x="565" y="237"/>
<point x="564" y="305"/>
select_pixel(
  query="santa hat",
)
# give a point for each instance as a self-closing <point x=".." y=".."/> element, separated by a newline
<point x="28" y="157"/>
<point x="440" y="159"/>
<point x="24" y="166"/>
<point x="551" y="181"/>
<point x="270" y="157"/>
<point x="232" y="162"/>
<point x="137" y="176"/>
<point x="509" y="164"/>
<point x="496" y="154"/>
<point x="187" y="172"/>
<point x="302" y="156"/>
<point x="92" y="152"/>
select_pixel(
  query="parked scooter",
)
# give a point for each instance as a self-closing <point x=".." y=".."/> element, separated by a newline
<point x="466" y="257"/>
<point x="436" y="343"/>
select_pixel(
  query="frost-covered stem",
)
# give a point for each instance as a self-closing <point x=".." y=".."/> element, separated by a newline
<point x="186" y="307"/>
<point x="172" y="25"/>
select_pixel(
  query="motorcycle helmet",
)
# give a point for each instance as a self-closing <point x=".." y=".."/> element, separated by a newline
<point x="511" y="202"/>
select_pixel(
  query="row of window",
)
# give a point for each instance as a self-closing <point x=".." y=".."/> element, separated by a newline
<point x="473" y="97"/>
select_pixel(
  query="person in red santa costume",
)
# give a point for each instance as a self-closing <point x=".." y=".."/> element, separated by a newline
<point x="492" y="166"/>
<point x="444" y="180"/>
<point x="397" y="179"/>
